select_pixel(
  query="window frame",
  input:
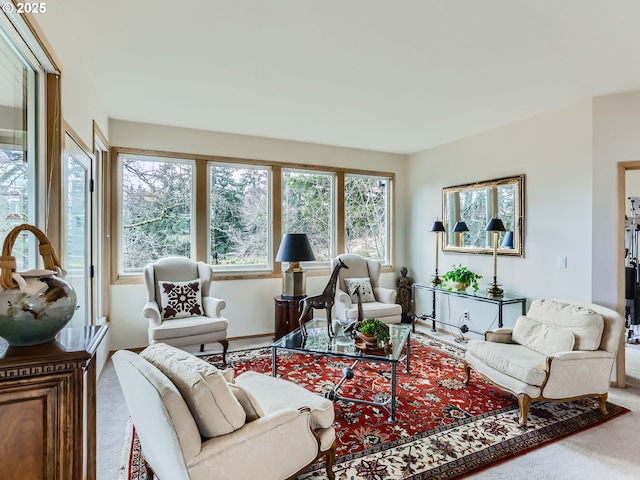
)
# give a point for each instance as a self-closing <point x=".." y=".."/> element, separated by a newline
<point x="201" y="235"/>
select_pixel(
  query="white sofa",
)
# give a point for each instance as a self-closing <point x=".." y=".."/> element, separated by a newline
<point x="197" y="422"/>
<point x="560" y="351"/>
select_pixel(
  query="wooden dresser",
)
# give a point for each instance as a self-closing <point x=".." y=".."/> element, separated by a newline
<point x="48" y="407"/>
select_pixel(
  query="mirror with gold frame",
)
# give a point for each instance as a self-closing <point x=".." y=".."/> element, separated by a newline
<point x="477" y="203"/>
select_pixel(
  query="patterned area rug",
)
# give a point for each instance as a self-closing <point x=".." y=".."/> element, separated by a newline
<point x="444" y="429"/>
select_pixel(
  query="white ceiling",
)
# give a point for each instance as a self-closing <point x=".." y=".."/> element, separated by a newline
<point x="396" y="76"/>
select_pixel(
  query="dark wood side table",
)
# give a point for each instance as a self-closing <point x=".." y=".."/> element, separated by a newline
<point x="48" y="407"/>
<point x="287" y="315"/>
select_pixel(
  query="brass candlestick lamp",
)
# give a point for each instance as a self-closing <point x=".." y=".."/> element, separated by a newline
<point x="496" y="226"/>
<point x="437" y="227"/>
<point x="460" y="227"/>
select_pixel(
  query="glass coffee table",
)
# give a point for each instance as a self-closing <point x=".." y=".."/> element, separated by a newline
<point x="342" y="346"/>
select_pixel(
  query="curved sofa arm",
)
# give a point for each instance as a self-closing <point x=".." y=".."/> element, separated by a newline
<point x="578" y="372"/>
<point x="213" y="306"/>
<point x="499" y="335"/>
<point x="385" y="295"/>
<point x="262" y="442"/>
<point x="152" y="312"/>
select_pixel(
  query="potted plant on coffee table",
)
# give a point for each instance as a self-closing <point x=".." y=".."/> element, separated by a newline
<point x="374" y="332"/>
<point x="462" y="278"/>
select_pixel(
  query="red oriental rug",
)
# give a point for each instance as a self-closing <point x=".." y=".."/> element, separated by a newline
<point x="444" y="429"/>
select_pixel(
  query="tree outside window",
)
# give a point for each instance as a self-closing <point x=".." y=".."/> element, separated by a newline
<point x="366" y="216"/>
<point x="157" y="199"/>
<point x="307" y="207"/>
<point x="239" y="216"/>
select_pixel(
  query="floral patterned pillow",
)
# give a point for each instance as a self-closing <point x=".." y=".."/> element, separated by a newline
<point x="181" y="299"/>
<point x="366" y="292"/>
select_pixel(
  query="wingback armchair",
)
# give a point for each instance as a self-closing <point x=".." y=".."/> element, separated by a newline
<point x="180" y="307"/>
<point x="196" y="422"/>
<point x="560" y="351"/>
<point x="377" y="302"/>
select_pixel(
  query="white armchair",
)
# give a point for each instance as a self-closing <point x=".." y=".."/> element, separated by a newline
<point x="180" y="307"/>
<point x="379" y="303"/>
<point x="560" y="351"/>
<point x="196" y="422"/>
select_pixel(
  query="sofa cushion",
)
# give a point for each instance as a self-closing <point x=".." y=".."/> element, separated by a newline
<point x="514" y="360"/>
<point x="276" y="394"/>
<point x="366" y="291"/>
<point x="181" y="299"/>
<point x="251" y="407"/>
<point x="203" y="387"/>
<point x="585" y="324"/>
<point x="544" y="338"/>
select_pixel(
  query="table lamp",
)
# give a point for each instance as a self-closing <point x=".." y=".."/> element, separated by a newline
<point x="496" y="226"/>
<point x="460" y="227"/>
<point x="437" y="227"/>
<point x="294" y="248"/>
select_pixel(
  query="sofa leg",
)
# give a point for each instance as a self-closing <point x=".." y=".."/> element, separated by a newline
<point x="329" y="459"/>
<point x="524" y="401"/>
<point x="603" y="403"/>
<point x="201" y="347"/>
<point x="225" y="346"/>
<point x="467" y="373"/>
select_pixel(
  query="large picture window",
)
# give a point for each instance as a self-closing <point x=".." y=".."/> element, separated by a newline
<point x="366" y="216"/>
<point x="17" y="149"/>
<point x="156" y="210"/>
<point x="308" y="207"/>
<point x="239" y="199"/>
<point x="225" y="211"/>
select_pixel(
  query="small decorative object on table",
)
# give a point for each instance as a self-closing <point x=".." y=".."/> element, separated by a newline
<point x="372" y="336"/>
<point x="461" y="278"/>
<point x="34" y="305"/>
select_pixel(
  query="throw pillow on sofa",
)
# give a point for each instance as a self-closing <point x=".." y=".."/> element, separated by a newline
<point x="203" y="387"/>
<point x="542" y="338"/>
<point x="585" y="324"/>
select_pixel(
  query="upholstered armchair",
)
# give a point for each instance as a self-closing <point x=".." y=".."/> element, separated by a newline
<point x="377" y="302"/>
<point x="180" y="307"/>
<point x="560" y="351"/>
<point x="196" y="422"/>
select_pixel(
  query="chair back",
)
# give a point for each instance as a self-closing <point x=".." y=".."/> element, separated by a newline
<point x="174" y="269"/>
<point x="167" y="431"/>
<point x="359" y="267"/>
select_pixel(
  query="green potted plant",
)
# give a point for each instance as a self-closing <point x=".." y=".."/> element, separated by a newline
<point x="373" y="332"/>
<point x="462" y="278"/>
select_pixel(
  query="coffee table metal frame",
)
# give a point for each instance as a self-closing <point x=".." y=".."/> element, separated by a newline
<point x="342" y="346"/>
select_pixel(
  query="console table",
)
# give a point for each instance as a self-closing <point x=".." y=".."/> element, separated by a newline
<point x="48" y="407"/>
<point x="480" y="296"/>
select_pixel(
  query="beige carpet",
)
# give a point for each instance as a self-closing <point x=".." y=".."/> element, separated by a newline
<point x="609" y="451"/>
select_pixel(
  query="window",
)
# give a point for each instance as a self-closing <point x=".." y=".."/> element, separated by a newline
<point x="366" y="216"/>
<point x="225" y="211"/>
<point x="308" y="207"/>
<point x="156" y="210"/>
<point x="17" y="149"/>
<point x="239" y="217"/>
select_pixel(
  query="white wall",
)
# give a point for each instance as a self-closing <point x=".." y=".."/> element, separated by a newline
<point x="554" y="152"/>
<point x="81" y="104"/>
<point x="250" y="304"/>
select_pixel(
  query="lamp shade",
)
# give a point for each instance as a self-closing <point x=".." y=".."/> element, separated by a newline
<point x="508" y="240"/>
<point x="437" y="227"/>
<point x="495" y="225"/>
<point x="460" y="227"/>
<point x="295" y="247"/>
